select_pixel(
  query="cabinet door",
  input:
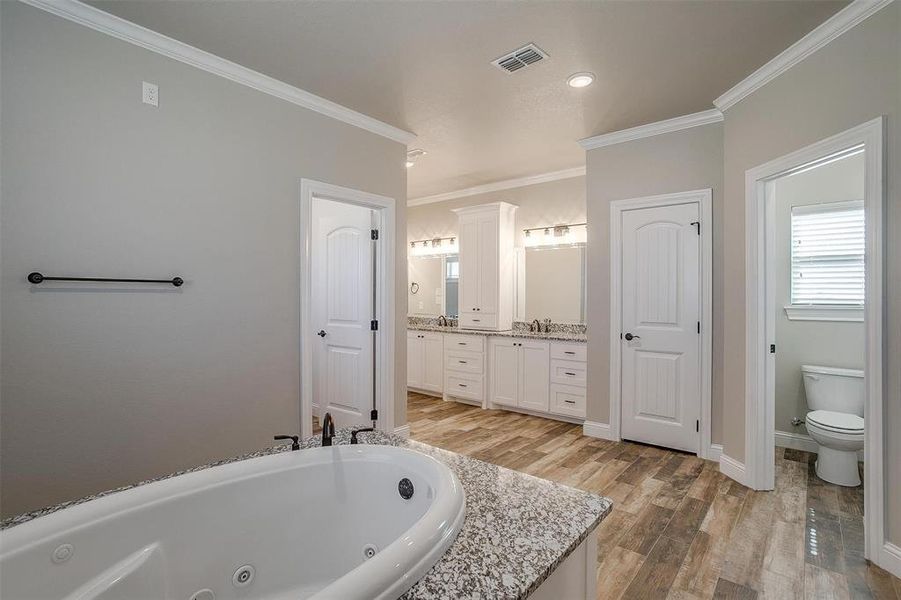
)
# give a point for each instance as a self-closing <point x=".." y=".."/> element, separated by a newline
<point x="504" y="371"/>
<point x="469" y="266"/>
<point x="414" y="360"/>
<point x="534" y="371"/>
<point x="488" y="264"/>
<point x="433" y="362"/>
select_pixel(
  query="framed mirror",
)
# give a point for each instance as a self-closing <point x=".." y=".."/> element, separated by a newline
<point x="433" y="284"/>
<point x="550" y="283"/>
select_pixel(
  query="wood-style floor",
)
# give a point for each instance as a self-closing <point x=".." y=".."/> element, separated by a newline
<point x="679" y="528"/>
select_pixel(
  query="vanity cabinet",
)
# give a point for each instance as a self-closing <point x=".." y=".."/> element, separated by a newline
<point x="425" y="361"/>
<point x="486" y="266"/>
<point x="464" y="368"/>
<point x="520" y="373"/>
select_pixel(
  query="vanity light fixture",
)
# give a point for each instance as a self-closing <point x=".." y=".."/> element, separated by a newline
<point x="413" y="154"/>
<point x="561" y="234"/>
<point x="437" y="245"/>
<point x="580" y="80"/>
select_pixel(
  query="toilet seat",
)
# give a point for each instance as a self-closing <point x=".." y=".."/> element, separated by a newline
<point x="837" y="422"/>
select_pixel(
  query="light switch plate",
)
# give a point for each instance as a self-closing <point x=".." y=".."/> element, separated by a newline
<point x="150" y="94"/>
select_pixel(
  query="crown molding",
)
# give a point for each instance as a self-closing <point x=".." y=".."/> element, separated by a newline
<point x="497" y="186"/>
<point x="119" y="28"/>
<point x="845" y="19"/>
<point x="651" y="129"/>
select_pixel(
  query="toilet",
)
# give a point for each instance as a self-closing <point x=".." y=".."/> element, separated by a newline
<point x="835" y="398"/>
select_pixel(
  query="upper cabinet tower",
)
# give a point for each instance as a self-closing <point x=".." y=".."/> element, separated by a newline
<point x="486" y="266"/>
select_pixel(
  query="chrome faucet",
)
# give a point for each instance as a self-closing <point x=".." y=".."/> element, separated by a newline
<point x="442" y="321"/>
<point x="328" y="429"/>
<point x="535" y="325"/>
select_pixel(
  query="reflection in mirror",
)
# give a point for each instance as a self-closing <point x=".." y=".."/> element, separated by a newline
<point x="551" y="284"/>
<point x="432" y="285"/>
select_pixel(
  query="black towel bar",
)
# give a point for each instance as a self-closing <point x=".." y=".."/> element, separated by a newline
<point x="37" y="278"/>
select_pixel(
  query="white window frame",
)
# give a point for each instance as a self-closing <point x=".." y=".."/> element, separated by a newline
<point x="822" y="312"/>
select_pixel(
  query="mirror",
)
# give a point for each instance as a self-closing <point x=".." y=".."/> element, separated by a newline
<point x="551" y="284"/>
<point x="433" y="283"/>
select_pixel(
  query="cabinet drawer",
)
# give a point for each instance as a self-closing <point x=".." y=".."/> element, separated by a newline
<point x="464" y="362"/>
<point x="568" y="372"/>
<point x="568" y="400"/>
<point x="463" y="387"/>
<point x="457" y="341"/>
<point x="565" y="351"/>
<point x="478" y="320"/>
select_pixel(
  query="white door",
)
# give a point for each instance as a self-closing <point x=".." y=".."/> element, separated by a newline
<point x="342" y="263"/>
<point x="414" y="360"/>
<point x="534" y="370"/>
<point x="432" y="356"/>
<point x="504" y="372"/>
<point x="661" y="391"/>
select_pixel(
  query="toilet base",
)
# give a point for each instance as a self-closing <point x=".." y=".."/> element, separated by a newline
<point x="838" y="466"/>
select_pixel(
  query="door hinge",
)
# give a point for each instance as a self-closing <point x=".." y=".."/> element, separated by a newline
<point x="374" y="325"/>
<point x="699" y="327"/>
<point x="698" y="426"/>
<point x="698" y="225"/>
<point x="373" y="415"/>
<point x="374" y="234"/>
<point x="772" y="348"/>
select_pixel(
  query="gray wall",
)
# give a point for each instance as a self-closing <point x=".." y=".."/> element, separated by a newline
<point x="825" y="343"/>
<point x="103" y="388"/>
<point x="852" y="80"/>
<point x="674" y="162"/>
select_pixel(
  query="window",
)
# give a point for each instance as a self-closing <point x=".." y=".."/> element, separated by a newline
<point x="827" y="256"/>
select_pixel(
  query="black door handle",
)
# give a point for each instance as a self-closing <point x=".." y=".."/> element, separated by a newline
<point x="321" y="333"/>
<point x="629" y="337"/>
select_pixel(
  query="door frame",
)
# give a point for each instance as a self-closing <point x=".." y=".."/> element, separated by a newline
<point x="384" y="210"/>
<point x="760" y="332"/>
<point x="704" y="198"/>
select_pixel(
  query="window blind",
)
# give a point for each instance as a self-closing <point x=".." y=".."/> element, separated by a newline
<point x="827" y="261"/>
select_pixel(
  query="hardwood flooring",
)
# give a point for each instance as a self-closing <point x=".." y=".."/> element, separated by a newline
<point x="679" y="528"/>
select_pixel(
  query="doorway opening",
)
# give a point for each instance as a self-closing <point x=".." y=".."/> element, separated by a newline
<point x="347" y="307"/>
<point x="821" y="263"/>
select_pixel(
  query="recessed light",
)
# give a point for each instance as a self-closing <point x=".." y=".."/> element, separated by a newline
<point x="580" y="80"/>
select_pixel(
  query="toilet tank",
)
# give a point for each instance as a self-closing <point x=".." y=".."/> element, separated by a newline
<point x="832" y="388"/>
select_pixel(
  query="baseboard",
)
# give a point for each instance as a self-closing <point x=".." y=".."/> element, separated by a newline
<point x="714" y="452"/>
<point x="801" y="441"/>
<point x="733" y="469"/>
<point x="598" y="430"/>
<point x="403" y="431"/>
<point x="890" y="559"/>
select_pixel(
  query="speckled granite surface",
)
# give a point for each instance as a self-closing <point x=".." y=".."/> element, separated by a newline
<point x="562" y="332"/>
<point x="517" y="530"/>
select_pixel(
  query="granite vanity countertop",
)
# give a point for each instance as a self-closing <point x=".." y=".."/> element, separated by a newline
<point x="556" y="336"/>
<point x="518" y="528"/>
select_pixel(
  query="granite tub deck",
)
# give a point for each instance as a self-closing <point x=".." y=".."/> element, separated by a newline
<point x="554" y="336"/>
<point x="518" y="528"/>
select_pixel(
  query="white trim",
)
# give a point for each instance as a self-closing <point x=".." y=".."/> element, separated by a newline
<point x="715" y="452"/>
<point x="733" y="469"/>
<point x="890" y="558"/>
<point x="598" y="430"/>
<point x="760" y="312"/>
<point x="119" y="28"/>
<point x="845" y="19"/>
<point x="795" y="441"/>
<point x="497" y="186"/>
<point x="403" y="431"/>
<point x="812" y="312"/>
<point x="384" y="208"/>
<point x="704" y="198"/>
<point x="651" y="129"/>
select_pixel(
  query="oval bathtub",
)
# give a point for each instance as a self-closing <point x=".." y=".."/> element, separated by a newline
<point x="318" y="523"/>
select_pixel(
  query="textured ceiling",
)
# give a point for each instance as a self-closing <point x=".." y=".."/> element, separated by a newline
<point x="425" y="66"/>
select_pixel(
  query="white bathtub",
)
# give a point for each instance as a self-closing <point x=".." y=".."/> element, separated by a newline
<point x="304" y="522"/>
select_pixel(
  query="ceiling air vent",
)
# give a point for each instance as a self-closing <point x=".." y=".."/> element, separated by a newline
<point x="520" y="58"/>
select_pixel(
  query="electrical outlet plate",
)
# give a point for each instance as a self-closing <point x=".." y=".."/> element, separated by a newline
<point x="150" y="94"/>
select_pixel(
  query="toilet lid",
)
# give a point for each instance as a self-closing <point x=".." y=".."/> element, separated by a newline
<point x="837" y="421"/>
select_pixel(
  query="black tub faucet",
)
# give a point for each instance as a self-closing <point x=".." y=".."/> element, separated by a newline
<point x="328" y="429"/>
<point x="295" y="441"/>
<point x="353" y="434"/>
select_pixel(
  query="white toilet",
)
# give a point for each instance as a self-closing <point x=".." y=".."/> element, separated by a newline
<point x="835" y="398"/>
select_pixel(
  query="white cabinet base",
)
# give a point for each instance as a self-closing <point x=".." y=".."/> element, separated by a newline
<point x="576" y="577"/>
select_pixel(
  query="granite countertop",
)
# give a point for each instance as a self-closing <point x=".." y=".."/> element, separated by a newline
<point x="556" y="336"/>
<point x="518" y="528"/>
